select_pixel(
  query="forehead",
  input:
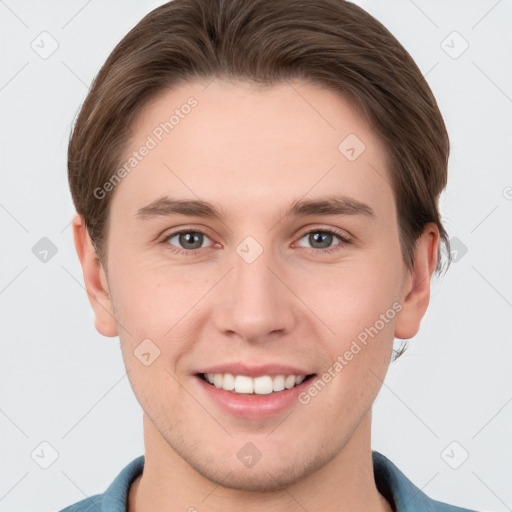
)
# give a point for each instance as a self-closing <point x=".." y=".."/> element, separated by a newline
<point x="241" y="145"/>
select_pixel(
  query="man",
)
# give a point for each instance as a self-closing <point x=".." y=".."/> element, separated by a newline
<point x="256" y="186"/>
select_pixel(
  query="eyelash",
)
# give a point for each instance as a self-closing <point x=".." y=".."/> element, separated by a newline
<point x="344" y="239"/>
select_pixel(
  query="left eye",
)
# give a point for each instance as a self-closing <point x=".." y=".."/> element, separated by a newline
<point x="322" y="239"/>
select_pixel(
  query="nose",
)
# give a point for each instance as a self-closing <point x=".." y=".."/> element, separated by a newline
<point x="255" y="303"/>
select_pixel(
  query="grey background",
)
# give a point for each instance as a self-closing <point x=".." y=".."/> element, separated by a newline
<point x="64" y="384"/>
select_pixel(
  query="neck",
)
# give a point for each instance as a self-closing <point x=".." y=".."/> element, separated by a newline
<point x="344" y="484"/>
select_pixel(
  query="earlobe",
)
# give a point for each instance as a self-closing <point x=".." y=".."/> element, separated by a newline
<point x="416" y="291"/>
<point x="95" y="279"/>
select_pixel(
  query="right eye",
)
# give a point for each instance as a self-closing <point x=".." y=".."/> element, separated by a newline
<point x="186" y="241"/>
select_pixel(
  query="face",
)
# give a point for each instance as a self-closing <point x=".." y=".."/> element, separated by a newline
<point x="286" y="283"/>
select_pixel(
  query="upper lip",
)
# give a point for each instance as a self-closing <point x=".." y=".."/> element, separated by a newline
<point x="255" y="370"/>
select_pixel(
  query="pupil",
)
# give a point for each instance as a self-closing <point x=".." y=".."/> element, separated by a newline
<point x="320" y="237"/>
<point x="191" y="238"/>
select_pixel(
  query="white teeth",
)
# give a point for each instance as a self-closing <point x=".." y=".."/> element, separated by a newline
<point x="217" y="380"/>
<point x="289" y="382"/>
<point x="279" y="383"/>
<point x="243" y="384"/>
<point x="229" y="382"/>
<point x="263" y="385"/>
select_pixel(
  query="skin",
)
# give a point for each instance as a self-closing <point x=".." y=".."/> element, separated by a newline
<point x="252" y="152"/>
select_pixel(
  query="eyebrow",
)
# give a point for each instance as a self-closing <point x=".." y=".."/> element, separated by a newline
<point x="330" y="205"/>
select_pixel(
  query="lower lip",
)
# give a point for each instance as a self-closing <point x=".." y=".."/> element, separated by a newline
<point x="253" y="406"/>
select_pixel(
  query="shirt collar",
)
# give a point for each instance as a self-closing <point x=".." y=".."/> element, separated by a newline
<point x="401" y="493"/>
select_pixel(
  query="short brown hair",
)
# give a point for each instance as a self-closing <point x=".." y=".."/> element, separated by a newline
<point x="333" y="43"/>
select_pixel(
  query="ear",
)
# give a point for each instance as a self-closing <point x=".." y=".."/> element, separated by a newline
<point x="95" y="280"/>
<point x="416" y="291"/>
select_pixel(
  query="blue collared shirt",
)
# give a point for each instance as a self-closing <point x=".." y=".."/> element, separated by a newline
<point x="400" y="492"/>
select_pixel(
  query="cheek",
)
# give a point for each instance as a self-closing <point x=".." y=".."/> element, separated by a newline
<point x="151" y="298"/>
<point x="353" y="296"/>
<point x="361" y="313"/>
<point x="162" y="315"/>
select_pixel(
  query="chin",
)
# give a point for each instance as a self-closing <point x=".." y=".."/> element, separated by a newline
<point x="261" y="480"/>
<point x="268" y="474"/>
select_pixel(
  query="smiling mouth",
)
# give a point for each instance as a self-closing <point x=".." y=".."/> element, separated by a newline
<point x="245" y="385"/>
